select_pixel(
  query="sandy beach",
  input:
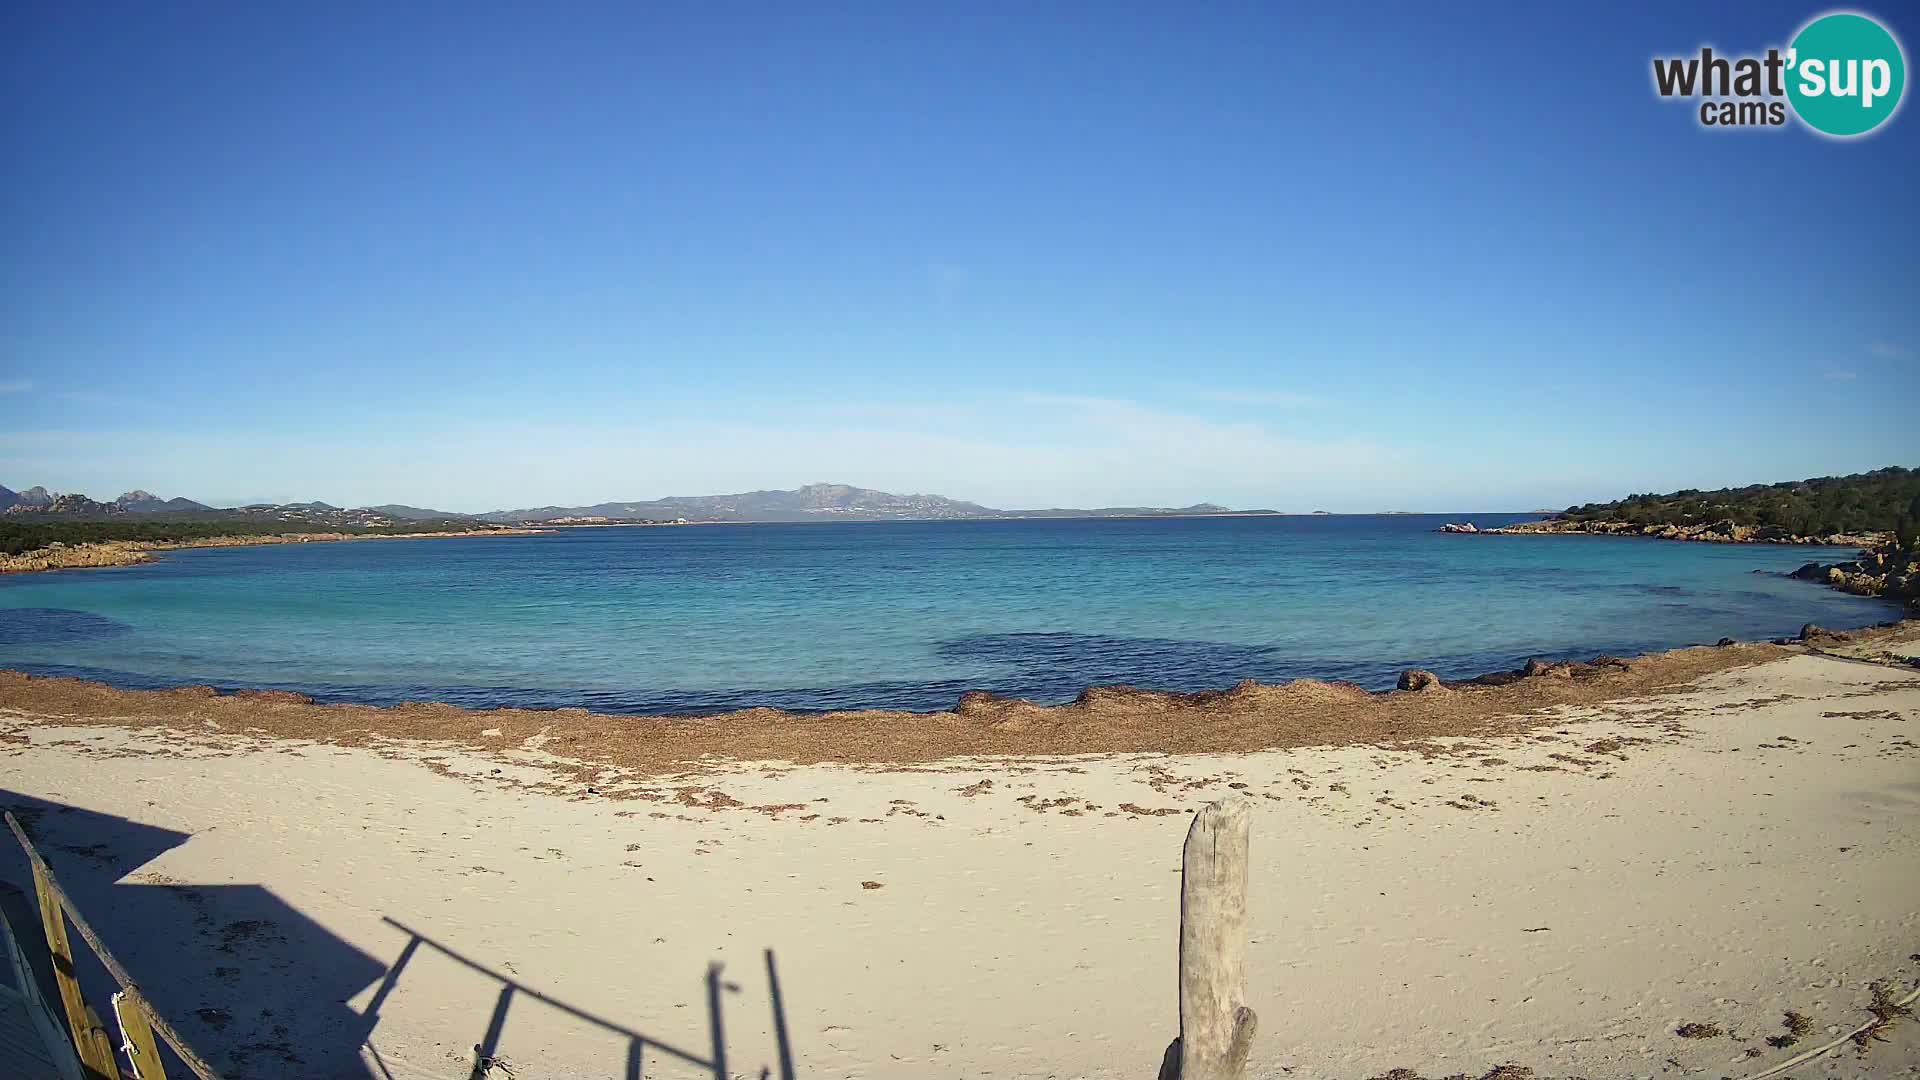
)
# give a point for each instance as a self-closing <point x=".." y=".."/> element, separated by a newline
<point x="1557" y="875"/>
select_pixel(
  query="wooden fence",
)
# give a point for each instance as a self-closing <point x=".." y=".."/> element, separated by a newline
<point x="138" y="1023"/>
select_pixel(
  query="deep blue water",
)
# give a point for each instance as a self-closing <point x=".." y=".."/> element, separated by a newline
<point x="904" y="615"/>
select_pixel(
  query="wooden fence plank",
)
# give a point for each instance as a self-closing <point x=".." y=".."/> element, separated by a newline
<point x="132" y="1012"/>
<point x="105" y="1060"/>
<point x="54" y="900"/>
<point x="82" y="1022"/>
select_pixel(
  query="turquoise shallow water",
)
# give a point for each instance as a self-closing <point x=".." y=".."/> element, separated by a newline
<point x="904" y="615"/>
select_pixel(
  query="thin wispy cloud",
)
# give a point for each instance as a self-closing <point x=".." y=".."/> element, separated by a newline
<point x="15" y="386"/>
<point x="1888" y="350"/>
<point x="1011" y="451"/>
<point x="1841" y="376"/>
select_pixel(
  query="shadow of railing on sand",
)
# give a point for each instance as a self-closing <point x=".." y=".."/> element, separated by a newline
<point x="486" y="1053"/>
<point x="258" y="988"/>
<point x="262" y="990"/>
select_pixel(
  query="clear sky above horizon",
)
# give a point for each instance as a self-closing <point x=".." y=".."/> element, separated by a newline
<point x="1382" y="256"/>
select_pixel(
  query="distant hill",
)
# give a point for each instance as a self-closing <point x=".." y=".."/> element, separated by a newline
<point x="815" y="502"/>
<point x="1196" y="510"/>
<point x="39" y="505"/>
<point x="326" y="515"/>
<point x="1868" y="502"/>
<point x="38" y="501"/>
<point x="402" y="512"/>
<point x="145" y="502"/>
<point x="31" y="499"/>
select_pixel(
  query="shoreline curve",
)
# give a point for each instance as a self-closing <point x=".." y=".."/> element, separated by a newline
<point x="1247" y="717"/>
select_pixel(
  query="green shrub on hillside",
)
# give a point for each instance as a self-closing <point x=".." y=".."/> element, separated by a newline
<point x="25" y="533"/>
<point x="1865" y="502"/>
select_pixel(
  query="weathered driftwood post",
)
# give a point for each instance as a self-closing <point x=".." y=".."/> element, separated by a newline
<point x="1216" y="1027"/>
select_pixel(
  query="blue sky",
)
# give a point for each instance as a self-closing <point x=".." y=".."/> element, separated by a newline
<point x="1377" y="257"/>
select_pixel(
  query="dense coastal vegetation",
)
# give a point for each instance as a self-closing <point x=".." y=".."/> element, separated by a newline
<point x="1877" y="511"/>
<point x="1872" y="502"/>
<point x="19" y="534"/>
<point x="34" y="543"/>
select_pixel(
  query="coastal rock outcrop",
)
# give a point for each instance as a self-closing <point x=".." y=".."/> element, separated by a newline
<point x="1467" y="527"/>
<point x="59" y="556"/>
<point x="1713" y="532"/>
<point x="1888" y="569"/>
<point x="1888" y="564"/>
<point x="1859" y="583"/>
<point x="1420" y="681"/>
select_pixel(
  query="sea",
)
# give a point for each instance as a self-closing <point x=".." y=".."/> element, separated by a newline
<point x="900" y="615"/>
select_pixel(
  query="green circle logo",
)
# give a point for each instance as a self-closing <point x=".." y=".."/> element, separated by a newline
<point x="1845" y="74"/>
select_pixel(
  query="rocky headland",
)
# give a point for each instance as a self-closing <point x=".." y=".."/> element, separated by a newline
<point x="60" y="556"/>
<point x="1884" y="566"/>
<point x="1713" y="532"/>
<point x="1886" y="569"/>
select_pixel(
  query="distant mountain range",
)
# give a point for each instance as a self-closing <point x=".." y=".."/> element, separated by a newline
<point x="40" y="500"/>
<point x="814" y="502"/>
<point x="821" y="502"/>
<point x="818" y="502"/>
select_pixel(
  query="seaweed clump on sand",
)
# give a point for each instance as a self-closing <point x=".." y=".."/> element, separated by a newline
<point x="1509" y="1071"/>
<point x="1798" y="1027"/>
<point x="1699" y="1031"/>
<point x="1885" y="1011"/>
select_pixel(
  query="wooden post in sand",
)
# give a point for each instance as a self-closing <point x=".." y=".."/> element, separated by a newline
<point x="1216" y="1027"/>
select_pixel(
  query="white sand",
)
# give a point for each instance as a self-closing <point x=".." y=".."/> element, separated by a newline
<point x="1443" y="915"/>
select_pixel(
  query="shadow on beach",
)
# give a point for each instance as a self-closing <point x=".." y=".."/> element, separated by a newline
<point x="261" y="990"/>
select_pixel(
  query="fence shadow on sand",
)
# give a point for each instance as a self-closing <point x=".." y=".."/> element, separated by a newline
<point x="261" y="990"/>
<point x="512" y="991"/>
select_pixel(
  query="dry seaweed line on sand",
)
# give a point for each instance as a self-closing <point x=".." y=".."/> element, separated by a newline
<point x="1883" y="1014"/>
